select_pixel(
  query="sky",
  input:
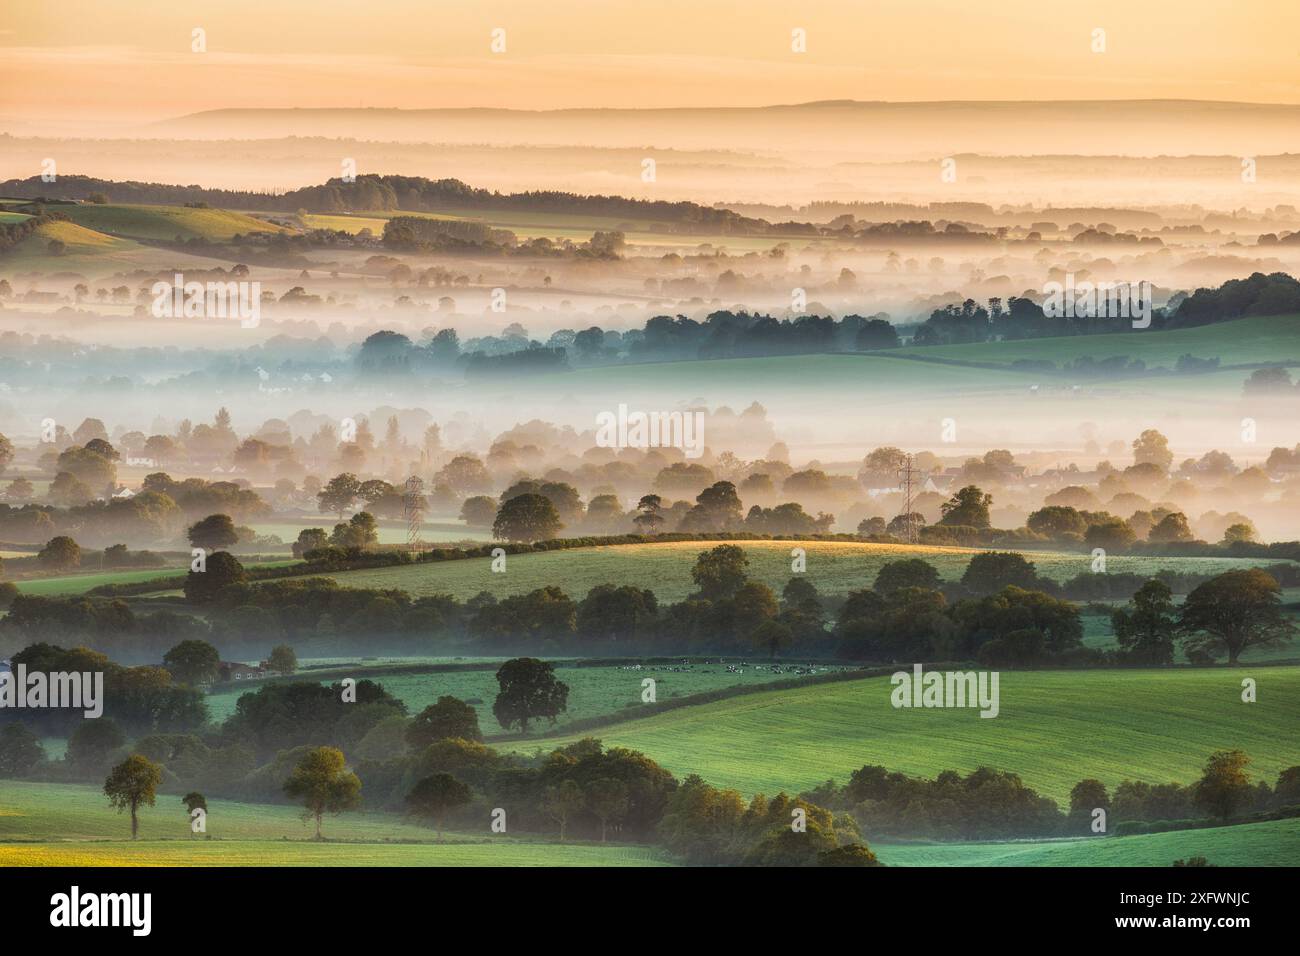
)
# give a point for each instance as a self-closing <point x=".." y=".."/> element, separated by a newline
<point x="84" y="63"/>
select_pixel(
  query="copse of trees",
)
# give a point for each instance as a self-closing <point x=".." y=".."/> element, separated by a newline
<point x="435" y="796"/>
<point x="60" y="554"/>
<point x="910" y="614"/>
<point x="220" y="570"/>
<point x="708" y="826"/>
<point x="448" y="718"/>
<point x="141" y="698"/>
<point x="20" y="750"/>
<point x="1147" y="627"/>
<point x="282" y="715"/>
<point x="985" y="804"/>
<point x="192" y="662"/>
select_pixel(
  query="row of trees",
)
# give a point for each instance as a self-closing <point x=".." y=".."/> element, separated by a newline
<point x="1000" y="608"/>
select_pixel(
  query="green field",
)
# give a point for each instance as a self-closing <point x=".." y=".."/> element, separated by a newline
<point x="82" y="244"/>
<point x="81" y="582"/>
<point x="67" y="584"/>
<point x="1265" y="339"/>
<point x="91" y="252"/>
<point x="70" y="825"/>
<point x="165" y="222"/>
<point x="835" y="567"/>
<point x="593" y="691"/>
<point x="1054" y="729"/>
<point x="279" y="853"/>
<point x="1098" y="634"/>
<point x="1276" y="843"/>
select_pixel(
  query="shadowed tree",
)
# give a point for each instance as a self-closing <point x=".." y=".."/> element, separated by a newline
<point x="719" y="572"/>
<point x="649" y="514"/>
<point x="909" y="573"/>
<point x="131" y="783"/>
<point x="20" y="750"/>
<point x="221" y="569"/>
<point x="771" y="636"/>
<point x="434" y="797"/>
<point x="527" y="517"/>
<point x="561" y="802"/>
<point x="608" y="800"/>
<point x="192" y="662"/>
<point x="1224" y="786"/>
<point x="283" y="660"/>
<point x="1147" y="627"/>
<point x="1234" y="611"/>
<point x="969" y="507"/>
<point x="339" y="494"/>
<point x="529" y="690"/>
<point x="449" y="717"/>
<point x="213" y="533"/>
<point x="194" y="801"/>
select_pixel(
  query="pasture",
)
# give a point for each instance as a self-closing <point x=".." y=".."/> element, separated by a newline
<point x="593" y="691"/>
<point x="165" y="223"/>
<point x="72" y="825"/>
<point x="79" y="582"/>
<point x="1263" y="339"/>
<point x="1054" y="728"/>
<point x="1275" y="843"/>
<point x="834" y="567"/>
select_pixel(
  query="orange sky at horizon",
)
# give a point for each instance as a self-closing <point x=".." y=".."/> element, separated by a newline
<point x="85" y="63"/>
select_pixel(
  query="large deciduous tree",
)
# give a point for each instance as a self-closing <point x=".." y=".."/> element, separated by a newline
<point x="436" y="796"/>
<point x="322" y="784"/>
<point x="527" y="517"/>
<point x="529" y="691"/>
<point x="131" y="783"/>
<point x="1234" y="611"/>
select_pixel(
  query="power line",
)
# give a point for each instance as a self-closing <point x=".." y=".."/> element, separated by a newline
<point x="907" y="475"/>
<point x="413" y="511"/>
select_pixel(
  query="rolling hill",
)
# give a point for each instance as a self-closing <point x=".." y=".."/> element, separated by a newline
<point x="835" y="567"/>
<point x="69" y="825"/>
<point x="80" y="242"/>
<point x="1054" y="729"/>
<point x="1275" y="843"/>
<point x="1265" y="339"/>
<point x="166" y="222"/>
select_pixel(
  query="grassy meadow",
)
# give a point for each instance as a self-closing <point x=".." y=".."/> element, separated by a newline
<point x="80" y="582"/>
<point x="70" y="825"/>
<point x="82" y="246"/>
<point x="165" y="223"/>
<point x="1275" y="843"/>
<point x="1266" y="339"/>
<point x="1054" y="729"/>
<point x="593" y="691"/>
<point x="836" y="567"/>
